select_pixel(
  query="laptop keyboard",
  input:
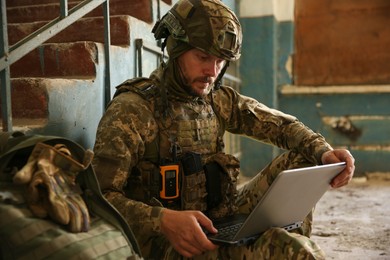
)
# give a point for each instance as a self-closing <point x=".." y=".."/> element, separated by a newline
<point x="228" y="232"/>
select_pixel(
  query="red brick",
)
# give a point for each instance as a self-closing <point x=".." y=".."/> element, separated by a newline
<point x="140" y="9"/>
<point x="34" y="13"/>
<point x="29" y="98"/>
<point x="85" y="29"/>
<point x="10" y="3"/>
<point x="70" y="60"/>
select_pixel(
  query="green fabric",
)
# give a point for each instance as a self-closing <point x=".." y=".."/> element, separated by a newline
<point x="25" y="237"/>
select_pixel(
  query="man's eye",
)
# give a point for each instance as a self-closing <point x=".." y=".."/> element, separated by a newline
<point x="204" y="58"/>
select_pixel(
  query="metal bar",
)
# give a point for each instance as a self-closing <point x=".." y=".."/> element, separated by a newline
<point x="158" y="10"/>
<point x="151" y="48"/>
<point x="107" y="44"/>
<point x="6" y="108"/>
<point x="139" y="44"/>
<point x="35" y="39"/>
<point x="63" y="8"/>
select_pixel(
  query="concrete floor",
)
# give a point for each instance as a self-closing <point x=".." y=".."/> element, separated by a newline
<point x="353" y="222"/>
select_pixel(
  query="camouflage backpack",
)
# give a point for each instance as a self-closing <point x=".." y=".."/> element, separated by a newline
<point x="51" y="205"/>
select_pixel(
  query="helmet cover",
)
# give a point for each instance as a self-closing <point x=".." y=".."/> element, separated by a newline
<point x="207" y="25"/>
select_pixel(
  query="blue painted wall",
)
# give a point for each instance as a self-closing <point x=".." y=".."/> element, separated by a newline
<point x="267" y="45"/>
<point x="265" y="70"/>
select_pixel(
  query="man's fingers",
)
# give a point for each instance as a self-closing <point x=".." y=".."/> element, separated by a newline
<point x="342" y="179"/>
<point x="189" y="247"/>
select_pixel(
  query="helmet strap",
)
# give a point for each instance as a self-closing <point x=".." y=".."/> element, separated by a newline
<point x="163" y="45"/>
<point x="218" y="81"/>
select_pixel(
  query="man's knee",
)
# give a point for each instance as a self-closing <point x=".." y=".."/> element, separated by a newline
<point x="289" y="160"/>
<point x="285" y="161"/>
<point x="277" y="243"/>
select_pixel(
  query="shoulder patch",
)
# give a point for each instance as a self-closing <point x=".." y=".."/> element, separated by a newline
<point x="142" y="86"/>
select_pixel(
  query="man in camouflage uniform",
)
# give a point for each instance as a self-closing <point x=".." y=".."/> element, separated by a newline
<point x="175" y="120"/>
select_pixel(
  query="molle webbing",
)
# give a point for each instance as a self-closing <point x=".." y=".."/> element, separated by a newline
<point x="197" y="135"/>
<point x="194" y="194"/>
<point x="191" y="127"/>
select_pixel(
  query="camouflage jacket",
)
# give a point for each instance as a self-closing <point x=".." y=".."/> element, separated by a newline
<point x="130" y="125"/>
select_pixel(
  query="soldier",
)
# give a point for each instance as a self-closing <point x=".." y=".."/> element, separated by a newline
<point x="161" y="135"/>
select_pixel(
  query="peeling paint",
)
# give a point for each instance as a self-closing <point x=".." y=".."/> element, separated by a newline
<point x="289" y="65"/>
<point x="345" y="126"/>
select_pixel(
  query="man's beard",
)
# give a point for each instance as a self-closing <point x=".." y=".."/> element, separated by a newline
<point x="188" y="88"/>
<point x="186" y="84"/>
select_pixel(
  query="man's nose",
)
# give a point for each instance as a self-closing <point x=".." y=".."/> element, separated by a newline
<point x="212" y="69"/>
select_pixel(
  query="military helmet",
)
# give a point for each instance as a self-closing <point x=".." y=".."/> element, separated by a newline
<point x="207" y="25"/>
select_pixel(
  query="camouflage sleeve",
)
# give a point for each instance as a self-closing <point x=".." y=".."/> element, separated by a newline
<point x="120" y="142"/>
<point x="244" y="115"/>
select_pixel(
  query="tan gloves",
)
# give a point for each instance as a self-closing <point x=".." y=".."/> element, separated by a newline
<point x="50" y="175"/>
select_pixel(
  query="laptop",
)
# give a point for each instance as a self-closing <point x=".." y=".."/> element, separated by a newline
<point x="289" y="199"/>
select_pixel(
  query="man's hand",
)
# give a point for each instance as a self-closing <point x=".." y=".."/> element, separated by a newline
<point x="184" y="230"/>
<point x="340" y="155"/>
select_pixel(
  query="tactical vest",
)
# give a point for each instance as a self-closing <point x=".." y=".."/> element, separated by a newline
<point x="188" y="137"/>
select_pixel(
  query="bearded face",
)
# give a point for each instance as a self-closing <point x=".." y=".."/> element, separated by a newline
<point x="199" y="70"/>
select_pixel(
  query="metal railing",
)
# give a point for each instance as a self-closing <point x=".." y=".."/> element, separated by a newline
<point x="11" y="54"/>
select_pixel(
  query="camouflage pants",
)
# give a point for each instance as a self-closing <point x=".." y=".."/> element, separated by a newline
<point x="276" y="243"/>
